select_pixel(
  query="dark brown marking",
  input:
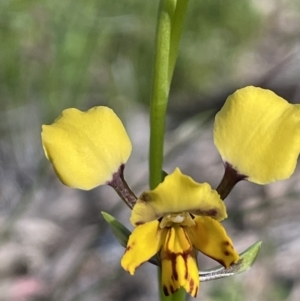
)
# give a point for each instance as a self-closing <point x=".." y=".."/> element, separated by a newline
<point x="230" y="178"/>
<point x="192" y="283"/>
<point x="174" y="271"/>
<point x="119" y="184"/>
<point x="196" y="292"/>
<point x="145" y="198"/>
<point x="165" y="289"/>
<point x="228" y="244"/>
<point x="210" y="212"/>
<point x="185" y="257"/>
<point x="226" y="253"/>
<point x="172" y="289"/>
<point x="139" y="223"/>
<point x="173" y="258"/>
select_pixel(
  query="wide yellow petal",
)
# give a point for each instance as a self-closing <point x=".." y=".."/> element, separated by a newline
<point x="209" y="237"/>
<point x="258" y="133"/>
<point x="178" y="193"/>
<point x="179" y="265"/>
<point x="86" y="148"/>
<point x="144" y="242"/>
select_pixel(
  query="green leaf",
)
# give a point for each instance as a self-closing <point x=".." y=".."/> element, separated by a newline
<point x="120" y="231"/>
<point x="247" y="259"/>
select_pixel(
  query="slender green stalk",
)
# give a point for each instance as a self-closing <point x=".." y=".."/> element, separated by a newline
<point x="170" y="21"/>
<point x="176" y="32"/>
<point x="160" y="89"/>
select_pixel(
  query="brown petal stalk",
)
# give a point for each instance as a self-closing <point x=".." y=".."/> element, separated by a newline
<point x="230" y="178"/>
<point x="121" y="187"/>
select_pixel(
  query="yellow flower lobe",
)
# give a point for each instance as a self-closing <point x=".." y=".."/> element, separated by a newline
<point x="258" y="133"/>
<point x="179" y="265"/>
<point x="86" y="148"/>
<point x="176" y="194"/>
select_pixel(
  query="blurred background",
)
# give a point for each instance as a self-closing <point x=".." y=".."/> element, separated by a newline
<point x="54" y="243"/>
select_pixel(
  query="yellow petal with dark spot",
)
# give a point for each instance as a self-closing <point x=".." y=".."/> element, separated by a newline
<point x="179" y="265"/>
<point x="210" y="237"/>
<point x="178" y="193"/>
<point x="144" y="242"/>
<point x="86" y="148"/>
<point x="258" y="133"/>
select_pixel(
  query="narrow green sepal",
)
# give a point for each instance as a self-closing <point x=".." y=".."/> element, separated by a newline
<point x="247" y="259"/>
<point x="120" y="231"/>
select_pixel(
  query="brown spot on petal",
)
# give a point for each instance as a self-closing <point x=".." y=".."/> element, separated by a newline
<point x="192" y="283"/>
<point x="226" y="253"/>
<point x="165" y="289"/>
<point x="210" y="212"/>
<point x="228" y="244"/>
<point x="185" y="258"/>
<point x="196" y="291"/>
<point x="172" y="289"/>
<point x="145" y="198"/>
<point x="174" y="270"/>
<point x="139" y="223"/>
<point x="130" y="246"/>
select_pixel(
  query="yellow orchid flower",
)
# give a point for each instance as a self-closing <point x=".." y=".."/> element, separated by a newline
<point x="258" y="134"/>
<point x="173" y="219"/>
<point x="86" y="148"/>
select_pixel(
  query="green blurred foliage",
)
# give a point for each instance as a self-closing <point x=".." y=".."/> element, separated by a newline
<point x="82" y="53"/>
<point x="216" y="33"/>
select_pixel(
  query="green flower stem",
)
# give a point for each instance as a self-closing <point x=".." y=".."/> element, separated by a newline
<point x="171" y="15"/>
<point x="170" y="21"/>
<point x="160" y="89"/>
<point x="176" y="32"/>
